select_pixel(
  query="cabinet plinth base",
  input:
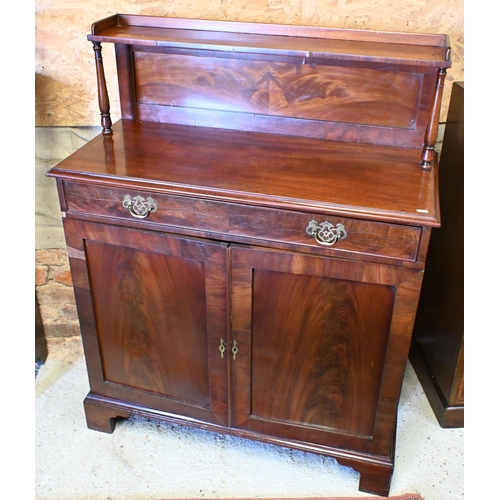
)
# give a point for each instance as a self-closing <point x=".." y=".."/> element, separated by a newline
<point x="375" y="472"/>
<point x="374" y="479"/>
<point x="102" y="417"/>
<point x="377" y="483"/>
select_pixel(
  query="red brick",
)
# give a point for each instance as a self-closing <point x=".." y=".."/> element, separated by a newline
<point x="62" y="276"/>
<point x="54" y="289"/>
<point x="62" y="329"/>
<point x="41" y="275"/>
<point x="68" y="313"/>
<point x="58" y="314"/>
<point x="51" y="257"/>
<point x="55" y="294"/>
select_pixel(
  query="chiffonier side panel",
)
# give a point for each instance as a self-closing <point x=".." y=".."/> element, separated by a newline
<point x="83" y="299"/>
<point x="396" y="357"/>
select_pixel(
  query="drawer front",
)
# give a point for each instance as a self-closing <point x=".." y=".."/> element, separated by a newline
<point x="285" y="227"/>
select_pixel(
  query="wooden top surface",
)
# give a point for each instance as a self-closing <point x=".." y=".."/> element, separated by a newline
<point x="300" y="41"/>
<point x="357" y="180"/>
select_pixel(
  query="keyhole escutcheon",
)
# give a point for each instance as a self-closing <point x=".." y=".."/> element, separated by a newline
<point x="234" y="349"/>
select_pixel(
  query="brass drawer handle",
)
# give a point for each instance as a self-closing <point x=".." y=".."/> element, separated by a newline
<point x="138" y="206"/>
<point x="326" y="233"/>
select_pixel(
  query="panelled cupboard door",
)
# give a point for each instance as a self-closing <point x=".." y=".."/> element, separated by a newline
<point x="153" y="311"/>
<point x="322" y="345"/>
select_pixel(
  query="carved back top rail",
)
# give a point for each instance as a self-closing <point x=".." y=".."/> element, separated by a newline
<point x="335" y="84"/>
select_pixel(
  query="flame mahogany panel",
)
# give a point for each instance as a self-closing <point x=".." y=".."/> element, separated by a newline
<point x="310" y="91"/>
<point x="309" y="335"/>
<point x="144" y="342"/>
<point x="322" y="347"/>
<point x="152" y="308"/>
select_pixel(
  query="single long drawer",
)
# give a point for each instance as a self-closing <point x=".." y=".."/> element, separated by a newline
<point x="328" y="234"/>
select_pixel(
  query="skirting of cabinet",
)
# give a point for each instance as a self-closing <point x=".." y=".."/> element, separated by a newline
<point x="376" y="472"/>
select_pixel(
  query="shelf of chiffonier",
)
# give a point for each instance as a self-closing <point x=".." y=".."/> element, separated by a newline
<point x="298" y="41"/>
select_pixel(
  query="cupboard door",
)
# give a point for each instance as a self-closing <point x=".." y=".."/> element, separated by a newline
<point x="153" y="311"/>
<point x="322" y="345"/>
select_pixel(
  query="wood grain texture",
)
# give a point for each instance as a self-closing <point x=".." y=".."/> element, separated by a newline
<point x="102" y="91"/>
<point x="126" y="81"/>
<point x="301" y="174"/>
<point x="264" y="226"/>
<point x="344" y="99"/>
<point x="314" y="340"/>
<point x="357" y="90"/>
<point x="320" y="344"/>
<point x="151" y="317"/>
<point x="342" y="291"/>
<point x="315" y="92"/>
<point x="102" y="418"/>
<point x="152" y="310"/>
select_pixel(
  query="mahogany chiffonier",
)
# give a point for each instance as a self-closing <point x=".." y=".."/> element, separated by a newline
<point x="248" y="241"/>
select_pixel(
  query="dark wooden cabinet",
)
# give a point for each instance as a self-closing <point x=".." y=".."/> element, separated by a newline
<point x="248" y="242"/>
<point x="437" y="351"/>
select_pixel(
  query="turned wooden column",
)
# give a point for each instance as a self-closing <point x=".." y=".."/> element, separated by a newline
<point x="102" y="91"/>
<point x="431" y="131"/>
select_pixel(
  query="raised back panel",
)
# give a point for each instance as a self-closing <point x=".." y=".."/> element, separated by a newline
<point x="343" y="85"/>
<point x="280" y="95"/>
<point x="314" y="92"/>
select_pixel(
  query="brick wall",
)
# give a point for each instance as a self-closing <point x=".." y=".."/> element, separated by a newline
<point x="54" y="290"/>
